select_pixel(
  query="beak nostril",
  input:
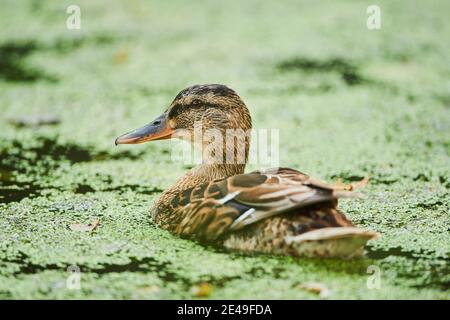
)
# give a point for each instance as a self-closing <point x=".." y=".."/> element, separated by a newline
<point x="156" y="122"/>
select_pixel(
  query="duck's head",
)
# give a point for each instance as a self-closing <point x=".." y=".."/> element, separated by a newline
<point x="212" y="106"/>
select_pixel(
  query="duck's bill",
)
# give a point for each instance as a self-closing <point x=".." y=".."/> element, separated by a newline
<point x="158" y="129"/>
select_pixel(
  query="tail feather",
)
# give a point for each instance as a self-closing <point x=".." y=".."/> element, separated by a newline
<point x="334" y="242"/>
<point x="346" y="194"/>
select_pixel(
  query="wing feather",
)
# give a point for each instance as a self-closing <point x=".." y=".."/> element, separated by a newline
<point x="223" y="206"/>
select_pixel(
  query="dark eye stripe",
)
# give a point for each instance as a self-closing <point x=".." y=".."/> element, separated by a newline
<point x="176" y="110"/>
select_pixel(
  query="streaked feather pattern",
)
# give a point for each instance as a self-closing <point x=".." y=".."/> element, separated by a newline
<point x="275" y="203"/>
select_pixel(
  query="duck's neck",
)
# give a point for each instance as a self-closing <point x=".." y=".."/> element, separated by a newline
<point x="221" y="158"/>
<point x="205" y="173"/>
<point x="209" y="172"/>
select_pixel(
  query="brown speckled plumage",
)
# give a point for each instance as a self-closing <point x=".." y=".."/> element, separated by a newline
<point x="280" y="210"/>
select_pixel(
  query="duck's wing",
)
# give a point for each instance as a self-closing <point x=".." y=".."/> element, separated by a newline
<point x="212" y="210"/>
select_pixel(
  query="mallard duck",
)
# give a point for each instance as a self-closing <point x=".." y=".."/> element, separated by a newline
<point x="278" y="211"/>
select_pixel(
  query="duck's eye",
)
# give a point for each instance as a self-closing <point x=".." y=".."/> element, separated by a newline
<point x="196" y="102"/>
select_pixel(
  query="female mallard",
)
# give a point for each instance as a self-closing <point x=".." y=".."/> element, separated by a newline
<point x="280" y="211"/>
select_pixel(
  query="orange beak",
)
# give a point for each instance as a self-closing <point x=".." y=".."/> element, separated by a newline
<point x="158" y="129"/>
